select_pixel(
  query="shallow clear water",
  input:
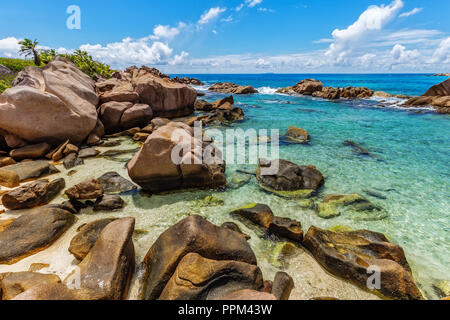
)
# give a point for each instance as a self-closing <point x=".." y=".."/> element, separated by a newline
<point x="411" y="170"/>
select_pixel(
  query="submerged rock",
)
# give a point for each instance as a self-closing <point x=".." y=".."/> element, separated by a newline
<point x="33" y="194"/>
<point x="198" y="278"/>
<point x="355" y="255"/>
<point x="288" y="179"/>
<point x="358" y="149"/>
<point x="33" y="232"/>
<point x="335" y="205"/>
<point x="191" y="235"/>
<point x="155" y="171"/>
<point x="114" y="183"/>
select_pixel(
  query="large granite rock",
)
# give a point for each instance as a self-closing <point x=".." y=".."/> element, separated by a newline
<point x="355" y="255"/>
<point x="154" y="169"/>
<point x="32" y="232"/>
<point x="438" y="96"/>
<point x="86" y="237"/>
<point x="289" y="179"/>
<point x="50" y="104"/>
<point x="297" y="135"/>
<point x="33" y="194"/>
<point x="198" y="278"/>
<point x="14" y="283"/>
<point x="439" y="90"/>
<point x="120" y="116"/>
<point x="227" y="87"/>
<point x="109" y="265"/>
<point x="356" y="93"/>
<point x="191" y="235"/>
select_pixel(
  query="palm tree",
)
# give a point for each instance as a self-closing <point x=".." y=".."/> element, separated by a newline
<point x="29" y="48"/>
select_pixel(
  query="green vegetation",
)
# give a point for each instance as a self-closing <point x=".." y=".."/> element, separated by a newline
<point x="6" y="82"/>
<point x="16" y="65"/>
<point x="88" y="65"/>
<point x="29" y="48"/>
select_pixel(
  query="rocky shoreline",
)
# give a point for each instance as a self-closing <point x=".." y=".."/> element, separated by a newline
<point x="437" y="96"/>
<point x="56" y="118"/>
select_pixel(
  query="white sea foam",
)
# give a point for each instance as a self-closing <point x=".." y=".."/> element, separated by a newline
<point x="267" y="90"/>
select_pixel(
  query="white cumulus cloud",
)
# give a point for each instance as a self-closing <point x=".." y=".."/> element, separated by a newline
<point x="9" y="47"/>
<point x="371" y="20"/>
<point x="410" y="13"/>
<point x="166" y="32"/>
<point x="442" y="53"/>
<point x="211" y="14"/>
<point x="130" y="51"/>
<point x="401" y="55"/>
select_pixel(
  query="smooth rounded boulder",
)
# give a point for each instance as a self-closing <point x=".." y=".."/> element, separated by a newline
<point x="191" y="235"/>
<point x="353" y="255"/>
<point x="50" y="104"/>
<point x="198" y="278"/>
<point x="155" y="169"/>
<point x="33" y="232"/>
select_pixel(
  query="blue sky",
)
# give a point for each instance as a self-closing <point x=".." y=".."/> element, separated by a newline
<point x="237" y="36"/>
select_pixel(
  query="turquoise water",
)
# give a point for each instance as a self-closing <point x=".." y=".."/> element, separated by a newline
<point x="412" y="167"/>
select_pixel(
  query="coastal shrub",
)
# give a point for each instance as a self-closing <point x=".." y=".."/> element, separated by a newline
<point x="88" y="65"/>
<point x="16" y="65"/>
<point x="6" y="81"/>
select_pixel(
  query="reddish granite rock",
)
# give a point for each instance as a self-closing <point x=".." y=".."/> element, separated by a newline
<point x="351" y="255"/>
<point x="33" y="194"/>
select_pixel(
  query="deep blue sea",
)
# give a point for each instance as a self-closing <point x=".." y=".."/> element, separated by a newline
<point x="411" y="170"/>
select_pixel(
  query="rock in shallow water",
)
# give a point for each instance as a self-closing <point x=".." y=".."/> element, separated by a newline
<point x="114" y="183"/>
<point x="287" y="179"/>
<point x="33" y="232"/>
<point x="356" y="255"/>
<point x="154" y="169"/>
<point x="33" y="194"/>
<point x="30" y="152"/>
<point x="109" y="203"/>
